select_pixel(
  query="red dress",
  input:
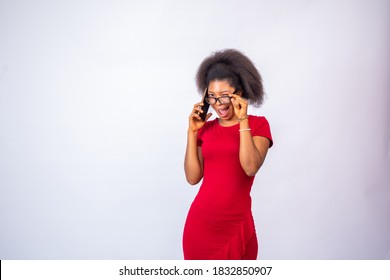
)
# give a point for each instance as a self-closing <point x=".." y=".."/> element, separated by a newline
<point x="219" y="223"/>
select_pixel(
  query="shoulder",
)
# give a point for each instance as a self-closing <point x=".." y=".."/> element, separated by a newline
<point x="209" y="124"/>
<point x="260" y="127"/>
<point x="206" y="127"/>
<point x="257" y="120"/>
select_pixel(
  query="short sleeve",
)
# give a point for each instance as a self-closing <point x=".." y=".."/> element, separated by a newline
<point x="199" y="138"/>
<point x="260" y="127"/>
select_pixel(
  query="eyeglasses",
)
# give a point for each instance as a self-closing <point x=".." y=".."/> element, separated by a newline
<point x="222" y="100"/>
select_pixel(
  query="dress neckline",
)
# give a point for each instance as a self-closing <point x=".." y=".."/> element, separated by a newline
<point x="225" y="126"/>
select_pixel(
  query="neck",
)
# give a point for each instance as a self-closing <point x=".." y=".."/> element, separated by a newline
<point x="229" y="122"/>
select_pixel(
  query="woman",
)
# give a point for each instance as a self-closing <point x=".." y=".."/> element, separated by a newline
<point x="226" y="152"/>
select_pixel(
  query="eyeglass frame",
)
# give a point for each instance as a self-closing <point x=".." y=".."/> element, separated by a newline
<point x="217" y="98"/>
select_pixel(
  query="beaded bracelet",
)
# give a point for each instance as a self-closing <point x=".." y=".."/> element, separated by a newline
<point x="245" y="129"/>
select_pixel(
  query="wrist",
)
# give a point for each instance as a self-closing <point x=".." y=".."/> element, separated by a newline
<point x="240" y="119"/>
<point x="192" y="131"/>
<point x="244" y="124"/>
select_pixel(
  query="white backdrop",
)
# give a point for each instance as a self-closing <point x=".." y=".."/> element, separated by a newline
<point x="94" y="99"/>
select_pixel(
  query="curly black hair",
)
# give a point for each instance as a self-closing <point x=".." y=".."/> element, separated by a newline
<point x="237" y="69"/>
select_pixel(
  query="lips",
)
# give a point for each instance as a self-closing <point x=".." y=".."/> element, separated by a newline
<point x="223" y="112"/>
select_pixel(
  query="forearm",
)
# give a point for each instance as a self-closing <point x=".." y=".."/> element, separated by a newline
<point x="192" y="165"/>
<point x="250" y="157"/>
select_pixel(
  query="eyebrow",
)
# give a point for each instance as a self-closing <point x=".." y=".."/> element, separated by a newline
<point x="222" y="91"/>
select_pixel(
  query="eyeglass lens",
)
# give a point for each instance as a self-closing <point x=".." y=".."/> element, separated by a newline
<point x="222" y="100"/>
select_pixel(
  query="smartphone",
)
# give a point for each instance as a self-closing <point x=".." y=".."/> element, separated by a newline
<point x="205" y="106"/>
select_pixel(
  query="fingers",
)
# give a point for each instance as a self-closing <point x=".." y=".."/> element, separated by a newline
<point x="198" y="107"/>
<point x="237" y="97"/>
<point x="208" y="116"/>
<point x="195" y="116"/>
<point x="240" y="105"/>
<point x="196" y="111"/>
<point x="238" y="101"/>
<point x="234" y="95"/>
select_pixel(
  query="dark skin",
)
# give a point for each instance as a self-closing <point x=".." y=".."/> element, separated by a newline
<point x="253" y="150"/>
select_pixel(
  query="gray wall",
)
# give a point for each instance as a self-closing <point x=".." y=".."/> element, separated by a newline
<point x="94" y="100"/>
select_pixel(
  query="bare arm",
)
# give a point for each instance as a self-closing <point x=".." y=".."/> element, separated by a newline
<point x="193" y="161"/>
<point x="253" y="150"/>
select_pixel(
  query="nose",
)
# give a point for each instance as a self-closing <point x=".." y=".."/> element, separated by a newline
<point x="220" y="102"/>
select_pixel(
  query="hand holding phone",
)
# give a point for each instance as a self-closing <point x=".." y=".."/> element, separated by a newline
<point x="205" y="106"/>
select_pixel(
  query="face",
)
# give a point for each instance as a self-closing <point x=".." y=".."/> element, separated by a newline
<point x="220" y="88"/>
